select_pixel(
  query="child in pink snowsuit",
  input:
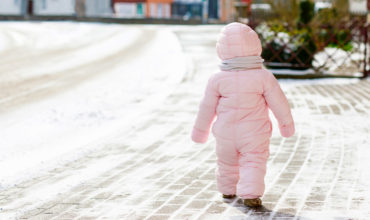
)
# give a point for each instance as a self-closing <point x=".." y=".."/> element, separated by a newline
<point x="240" y="95"/>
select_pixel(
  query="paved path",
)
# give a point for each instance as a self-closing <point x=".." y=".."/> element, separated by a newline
<point x="320" y="173"/>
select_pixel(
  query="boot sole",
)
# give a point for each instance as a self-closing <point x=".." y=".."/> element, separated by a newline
<point x="253" y="203"/>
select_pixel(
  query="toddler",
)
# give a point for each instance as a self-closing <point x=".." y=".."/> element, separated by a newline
<point x="240" y="95"/>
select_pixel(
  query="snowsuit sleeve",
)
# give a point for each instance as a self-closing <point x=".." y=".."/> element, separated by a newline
<point x="206" y="114"/>
<point x="279" y="105"/>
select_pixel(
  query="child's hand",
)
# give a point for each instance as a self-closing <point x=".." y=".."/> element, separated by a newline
<point x="199" y="136"/>
<point x="287" y="130"/>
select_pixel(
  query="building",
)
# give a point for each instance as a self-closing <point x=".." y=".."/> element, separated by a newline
<point x="13" y="7"/>
<point x="158" y="8"/>
<point x="213" y="9"/>
<point x="98" y="8"/>
<point x="130" y="8"/>
<point x="186" y="9"/>
<point x="226" y="10"/>
<point x="54" y="7"/>
<point x="80" y="8"/>
<point x="231" y="10"/>
<point x="142" y="8"/>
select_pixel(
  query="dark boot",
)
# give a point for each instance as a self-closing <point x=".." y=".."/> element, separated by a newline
<point x="228" y="196"/>
<point x="253" y="202"/>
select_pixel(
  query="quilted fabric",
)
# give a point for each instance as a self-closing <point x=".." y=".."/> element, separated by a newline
<point x="240" y="100"/>
<point x="238" y="40"/>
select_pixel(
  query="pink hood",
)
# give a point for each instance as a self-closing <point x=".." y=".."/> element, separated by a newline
<point x="238" y="40"/>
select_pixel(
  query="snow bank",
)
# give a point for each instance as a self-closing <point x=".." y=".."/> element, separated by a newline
<point x="47" y="134"/>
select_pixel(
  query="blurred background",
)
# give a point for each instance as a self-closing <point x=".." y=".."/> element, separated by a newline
<point x="98" y="98"/>
<point x="208" y="11"/>
<point x="318" y="37"/>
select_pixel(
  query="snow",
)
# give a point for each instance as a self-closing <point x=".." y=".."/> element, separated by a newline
<point x="46" y="134"/>
<point x="358" y="7"/>
<point x="261" y="6"/>
<point x="334" y="59"/>
<point x="78" y="122"/>
<point x="35" y="39"/>
<point x="329" y="61"/>
<point x="292" y="72"/>
<point x="287" y="84"/>
<point x="322" y="5"/>
<point x="55" y="131"/>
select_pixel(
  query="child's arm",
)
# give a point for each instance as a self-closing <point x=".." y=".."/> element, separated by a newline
<point x="279" y="105"/>
<point x="206" y="114"/>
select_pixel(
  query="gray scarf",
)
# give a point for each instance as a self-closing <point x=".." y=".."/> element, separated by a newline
<point x="242" y="63"/>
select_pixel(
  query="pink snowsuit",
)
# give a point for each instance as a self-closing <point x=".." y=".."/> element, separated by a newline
<point x="241" y="99"/>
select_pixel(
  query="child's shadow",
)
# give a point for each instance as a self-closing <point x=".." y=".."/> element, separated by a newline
<point x="262" y="212"/>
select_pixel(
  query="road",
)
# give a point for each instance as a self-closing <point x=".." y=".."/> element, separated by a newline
<point x="97" y="127"/>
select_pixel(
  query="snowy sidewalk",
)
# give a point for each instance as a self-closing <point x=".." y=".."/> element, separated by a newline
<point x="154" y="171"/>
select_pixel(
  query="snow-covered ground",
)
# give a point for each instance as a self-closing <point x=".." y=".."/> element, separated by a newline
<point x="95" y="122"/>
<point x="65" y="86"/>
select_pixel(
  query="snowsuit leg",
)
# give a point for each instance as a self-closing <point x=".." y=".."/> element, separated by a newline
<point x="254" y="153"/>
<point x="227" y="173"/>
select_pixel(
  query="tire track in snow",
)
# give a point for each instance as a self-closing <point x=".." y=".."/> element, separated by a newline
<point x="36" y="88"/>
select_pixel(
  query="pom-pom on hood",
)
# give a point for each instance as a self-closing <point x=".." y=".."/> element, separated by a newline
<point x="238" y="40"/>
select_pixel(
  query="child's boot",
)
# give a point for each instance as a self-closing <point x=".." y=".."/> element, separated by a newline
<point x="253" y="202"/>
<point x="228" y="196"/>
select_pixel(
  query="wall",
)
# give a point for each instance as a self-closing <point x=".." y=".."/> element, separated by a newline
<point x="130" y="9"/>
<point x="98" y="8"/>
<point x="158" y="8"/>
<point x="12" y="7"/>
<point x="54" y="7"/>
